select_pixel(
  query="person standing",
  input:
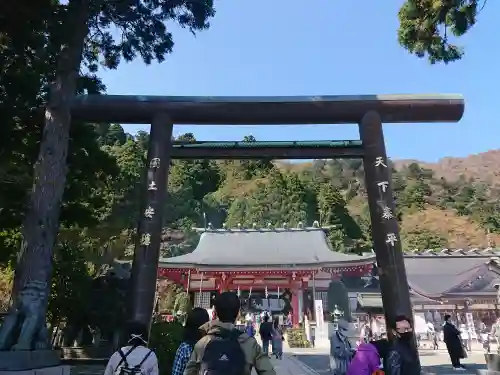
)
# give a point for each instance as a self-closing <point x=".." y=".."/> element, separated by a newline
<point x="192" y="333"/>
<point x="430" y="330"/>
<point x="250" y="329"/>
<point x="495" y="332"/>
<point x="366" y="334"/>
<point x="341" y="351"/>
<point x="224" y="350"/>
<point x="451" y="337"/>
<point x="266" y="333"/>
<point x="134" y="358"/>
<point x="402" y="359"/>
<point x="312" y="335"/>
<point x="277" y="339"/>
<point x="465" y="335"/>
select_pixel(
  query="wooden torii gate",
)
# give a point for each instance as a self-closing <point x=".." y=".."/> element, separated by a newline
<point x="367" y="111"/>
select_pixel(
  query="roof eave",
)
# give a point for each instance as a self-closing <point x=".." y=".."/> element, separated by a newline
<point x="430" y="296"/>
<point x="341" y="264"/>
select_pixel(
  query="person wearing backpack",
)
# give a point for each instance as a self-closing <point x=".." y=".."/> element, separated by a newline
<point x="135" y="358"/>
<point x="225" y="350"/>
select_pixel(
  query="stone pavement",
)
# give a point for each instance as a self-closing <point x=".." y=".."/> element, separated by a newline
<point x="432" y="362"/>
<point x="88" y="369"/>
<point x="290" y="365"/>
<point x="316" y="362"/>
<point x="475" y="346"/>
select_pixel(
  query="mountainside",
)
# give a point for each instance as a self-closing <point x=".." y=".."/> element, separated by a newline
<point x="482" y="167"/>
<point x="452" y="203"/>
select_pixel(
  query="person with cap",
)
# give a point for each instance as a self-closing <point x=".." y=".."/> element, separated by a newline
<point x="134" y="358"/>
<point x="341" y="351"/>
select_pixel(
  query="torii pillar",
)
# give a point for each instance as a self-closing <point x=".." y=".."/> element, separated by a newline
<point x="385" y="231"/>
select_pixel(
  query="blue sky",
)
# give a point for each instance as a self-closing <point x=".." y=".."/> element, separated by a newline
<point x="285" y="47"/>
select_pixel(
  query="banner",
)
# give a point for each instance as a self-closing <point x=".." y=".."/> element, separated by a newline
<point x="321" y="327"/>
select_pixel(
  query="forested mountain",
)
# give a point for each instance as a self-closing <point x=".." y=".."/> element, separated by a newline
<point x="102" y="199"/>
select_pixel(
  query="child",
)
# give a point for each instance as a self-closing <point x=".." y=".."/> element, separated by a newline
<point x="313" y="336"/>
<point x="277" y="340"/>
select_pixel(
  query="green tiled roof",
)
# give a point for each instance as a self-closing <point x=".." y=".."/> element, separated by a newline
<point x="277" y="144"/>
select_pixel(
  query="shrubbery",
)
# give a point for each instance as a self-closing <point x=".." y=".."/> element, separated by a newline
<point x="165" y="339"/>
<point x="296" y="338"/>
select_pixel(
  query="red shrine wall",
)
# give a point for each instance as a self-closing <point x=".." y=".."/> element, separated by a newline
<point x="203" y="284"/>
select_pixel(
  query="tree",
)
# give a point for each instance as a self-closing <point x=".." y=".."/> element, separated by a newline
<point x="333" y="212"/>
<point x="238" y="211"/>
<point x="6" y="275"/>
<point x="202" y="176"/>
<point x="426" y="26"/>
<point x="253" y="168"/>
<point x="80" y="31"/>
<point x="423" y="239"/>
<point x="111" y="134"/>
<point x="71" y="282"/>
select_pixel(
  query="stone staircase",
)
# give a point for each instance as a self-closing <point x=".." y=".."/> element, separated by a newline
<point x="86" y="360"/>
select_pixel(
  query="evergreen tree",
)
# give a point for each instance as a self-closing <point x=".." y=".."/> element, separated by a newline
<point x="425" y="27"/>
<point x="333" y="211"/>
<point x="84" y="35"/>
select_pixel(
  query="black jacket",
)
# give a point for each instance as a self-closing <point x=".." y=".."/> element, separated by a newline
<point x="451" y="337"/>
<point x="266" y="331"/>
<point x="401" y="361"/>
<point x="450" y="333"/>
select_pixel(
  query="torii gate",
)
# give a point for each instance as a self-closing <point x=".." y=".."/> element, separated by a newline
<point x="367" y="111"/>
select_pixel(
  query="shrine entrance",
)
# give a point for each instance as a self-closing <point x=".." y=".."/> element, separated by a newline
<point x="367" y="111"/>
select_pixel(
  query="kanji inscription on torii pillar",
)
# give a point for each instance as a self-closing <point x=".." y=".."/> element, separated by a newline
<point x="147" y="251"/>
<point x="385" y="231"/>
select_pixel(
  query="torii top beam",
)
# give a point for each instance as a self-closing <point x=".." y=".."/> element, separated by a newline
<point x="210" y="110"/>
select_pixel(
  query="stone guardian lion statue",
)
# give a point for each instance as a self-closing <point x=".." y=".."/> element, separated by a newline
<point x="24" y="327"/>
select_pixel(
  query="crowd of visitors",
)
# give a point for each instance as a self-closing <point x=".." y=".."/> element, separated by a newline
<point x="218" y="347"/>
<point x="396" y="358"/>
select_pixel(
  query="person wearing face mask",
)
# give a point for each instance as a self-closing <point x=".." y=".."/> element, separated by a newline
<point x="341" y="351"/>
<point x="402" y="359"/>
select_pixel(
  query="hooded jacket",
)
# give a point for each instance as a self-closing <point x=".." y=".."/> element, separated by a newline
<point x="254" y="356"/>
<point x="365" y="362"/>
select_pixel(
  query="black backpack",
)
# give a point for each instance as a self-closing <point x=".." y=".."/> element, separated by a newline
<point x="223" y="355"/>
<point x="126" y="369"/>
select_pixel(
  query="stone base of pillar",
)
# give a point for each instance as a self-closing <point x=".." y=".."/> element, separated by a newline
<point x="32" y="360"/>
<point x="56" y="370"/>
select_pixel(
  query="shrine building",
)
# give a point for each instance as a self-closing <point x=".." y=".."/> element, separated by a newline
<point x="273" y="269"/>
